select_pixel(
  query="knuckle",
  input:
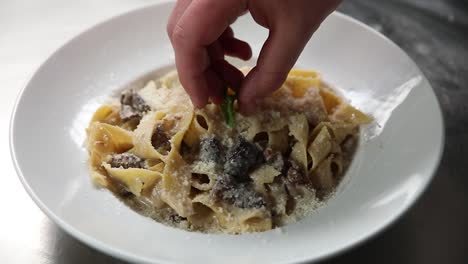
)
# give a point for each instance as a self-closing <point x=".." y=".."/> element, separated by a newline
<point x="169" y="29"/>
<point x="178" y="34"/>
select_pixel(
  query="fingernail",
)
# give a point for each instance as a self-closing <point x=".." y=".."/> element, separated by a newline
<point x="198" y="103"/>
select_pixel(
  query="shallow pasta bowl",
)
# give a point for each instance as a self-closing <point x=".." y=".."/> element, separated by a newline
<point x="395" y="161"/>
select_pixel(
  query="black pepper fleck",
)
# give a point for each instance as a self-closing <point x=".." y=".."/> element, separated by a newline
<point x="176" y="219"/>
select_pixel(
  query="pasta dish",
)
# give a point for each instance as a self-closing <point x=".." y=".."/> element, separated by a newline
<point x="188" y="168"/>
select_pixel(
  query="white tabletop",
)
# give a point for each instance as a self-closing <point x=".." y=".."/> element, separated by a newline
<point x="30" y="31"/>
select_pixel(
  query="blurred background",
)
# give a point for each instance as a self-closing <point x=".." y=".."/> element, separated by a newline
<point x="433" y="32"/>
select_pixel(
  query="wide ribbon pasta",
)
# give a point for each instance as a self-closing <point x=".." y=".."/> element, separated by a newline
<point x="135" y="179"/>
<point x="104" y="139"/>
<point x="186" y="168"/>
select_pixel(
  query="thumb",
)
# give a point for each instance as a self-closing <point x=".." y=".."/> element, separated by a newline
<point x="277" y="57"/>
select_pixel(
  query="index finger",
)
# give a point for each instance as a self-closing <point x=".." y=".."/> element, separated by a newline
<point x="202" y="23"/>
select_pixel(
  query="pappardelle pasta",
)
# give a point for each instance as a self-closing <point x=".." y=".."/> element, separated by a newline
<point x="186" y="168"/>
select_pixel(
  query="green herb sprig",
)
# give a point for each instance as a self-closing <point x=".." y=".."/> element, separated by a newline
<point x="227" y="107"/>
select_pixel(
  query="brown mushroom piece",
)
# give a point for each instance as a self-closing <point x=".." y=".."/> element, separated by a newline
<point x="241" y="159"/>
<point x="160" y="140"/>
<point x="133" y="106"/>
<point x="126" y="160"/>
<point x="241" y="195"/>
<point x="211" y="150"/>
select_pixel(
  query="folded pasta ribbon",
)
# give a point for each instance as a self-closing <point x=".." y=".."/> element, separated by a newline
<point x="300" y="80"/>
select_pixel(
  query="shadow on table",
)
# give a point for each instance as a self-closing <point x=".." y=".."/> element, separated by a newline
<point x="67" y="249"/>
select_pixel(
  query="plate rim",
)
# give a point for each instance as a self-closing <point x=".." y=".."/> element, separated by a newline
<point x="129" y="256"/>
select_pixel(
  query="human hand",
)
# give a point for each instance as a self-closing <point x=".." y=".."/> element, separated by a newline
<point x="200" y="34"/>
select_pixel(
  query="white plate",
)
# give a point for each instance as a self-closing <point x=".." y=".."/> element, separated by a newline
<point x="392" y="167"/>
